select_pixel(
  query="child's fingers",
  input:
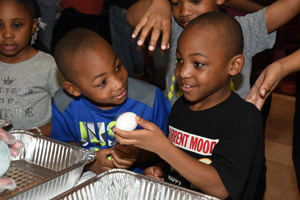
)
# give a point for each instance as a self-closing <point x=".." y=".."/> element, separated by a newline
<point x="144" y="29"/>
<point x="166" y="33"/>
<point x="154" y="36"/>
<point x="121" y="162"/>
<point x="144" y="123"/>
<point x="139" y="26"/>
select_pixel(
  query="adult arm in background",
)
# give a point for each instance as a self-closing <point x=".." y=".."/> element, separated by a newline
<point x="271" y="76"/>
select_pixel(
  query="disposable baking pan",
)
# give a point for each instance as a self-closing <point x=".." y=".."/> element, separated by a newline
<point x="45" y="167"/>
<point x="5" y="124"/>
<point x="119" y="184"/>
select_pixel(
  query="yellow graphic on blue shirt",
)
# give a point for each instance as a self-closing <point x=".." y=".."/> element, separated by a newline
<point x="88" y="134"/>
<point x="179" y="91"/>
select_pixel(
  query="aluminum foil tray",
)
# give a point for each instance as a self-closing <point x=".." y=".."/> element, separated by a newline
<point x="45" y="167"/>
<point x="5" y="124"/>
<point x="119" y="184"/>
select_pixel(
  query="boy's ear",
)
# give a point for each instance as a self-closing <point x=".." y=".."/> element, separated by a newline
<point x="71" y="88"/>
<point x="220" y="2"/>
<point x="34" y="26"/>
<point x="236" y="64"/>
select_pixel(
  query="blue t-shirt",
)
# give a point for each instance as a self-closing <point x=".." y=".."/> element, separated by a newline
<point x="78" y="120"/>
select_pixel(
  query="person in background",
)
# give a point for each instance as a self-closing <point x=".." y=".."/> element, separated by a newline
<point x="48" y="10"/>
<point x="215" y="140"/>
<point x="131" y="55"/>
<point x="77" y="14"/>
<point x="258" y="29"/>
<point x="96" y="91"/>
<point x="265" y="85"/>
<point x="29" y="78"/>
<point x="139" y="62"/>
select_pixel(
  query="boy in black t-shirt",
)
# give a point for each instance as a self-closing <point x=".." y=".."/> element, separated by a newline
<point x="215" y="143"/>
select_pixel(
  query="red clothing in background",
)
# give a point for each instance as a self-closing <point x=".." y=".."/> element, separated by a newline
<point x="90" y="7"/>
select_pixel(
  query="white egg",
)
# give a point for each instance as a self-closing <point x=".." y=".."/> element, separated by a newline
<point x="126" y="121"/>
<point x="5" y="158"/>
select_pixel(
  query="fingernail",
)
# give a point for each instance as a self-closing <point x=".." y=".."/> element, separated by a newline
<point x="263" y="92"/>
<point x="163" y="47"/>
<point x="133" y="35"/>
<point x="140" y="42"/>
<point x="151" y="47"/>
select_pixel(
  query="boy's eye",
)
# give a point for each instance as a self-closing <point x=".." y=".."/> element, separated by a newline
<point x="118" y="67"/>
<point x="101" y="84"/>
<point x="195" y="1"/>
<point x="198" y="64"/>
<point x="179" y="60"/>
<point x="1" y="25"/>
<point x="17" y="25"/>
<point x="175" y="3"/>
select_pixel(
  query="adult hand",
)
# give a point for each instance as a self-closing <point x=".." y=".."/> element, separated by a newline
<point x="154" y="172"/>
<point x="13" y="144"/>
<point x="158" y="19"/>
<point x="265" y="84"/>
<point x="9" y="147"/>
<point x="151" y="138"/>
<point x="124" y="156"/>
<point x="102" y="163"/>
<point x="7" y="184"/>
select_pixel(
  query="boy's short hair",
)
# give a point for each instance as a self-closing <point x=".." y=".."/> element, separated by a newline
<point x="229" y="29"/>
<point x="72" y="44"/>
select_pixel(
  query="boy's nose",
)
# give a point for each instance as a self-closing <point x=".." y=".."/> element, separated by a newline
<point x="184" y="71"/>
<point x="118" y="83"/>
<point x="185" y="10"/>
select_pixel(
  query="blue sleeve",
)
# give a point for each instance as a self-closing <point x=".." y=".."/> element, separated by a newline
<point x="60" y="130"/>
<point x="161" y="110"/>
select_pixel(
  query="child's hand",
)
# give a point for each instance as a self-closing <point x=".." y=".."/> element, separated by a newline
<point x="154" y="172"/>
<point x="151" y="138"/>
<point x="157" y="18"/>
<point x="124" y="157"/>
<point x="102" y="163"/>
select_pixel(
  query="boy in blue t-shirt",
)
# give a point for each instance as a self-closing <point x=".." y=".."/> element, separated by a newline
<point x="97" y="89"/>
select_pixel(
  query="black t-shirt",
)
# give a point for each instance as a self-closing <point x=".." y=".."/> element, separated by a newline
<point x="228" y="136"/>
